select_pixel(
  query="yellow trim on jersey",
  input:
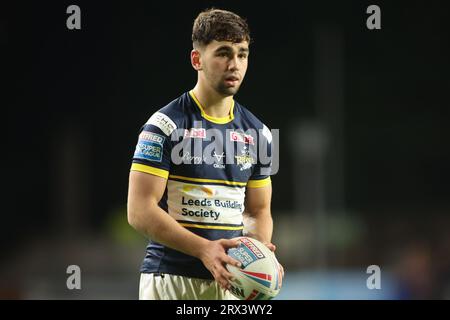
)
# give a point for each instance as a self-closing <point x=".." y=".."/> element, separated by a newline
<point x="258" y="183"/>
<point x="147" y="169"/>
<point x="201" y="226"/>
<point x="232" y="183"/>
<point x="218" y="120"/>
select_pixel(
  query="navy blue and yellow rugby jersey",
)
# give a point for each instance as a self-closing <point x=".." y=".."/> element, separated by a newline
<point x="209" y="162"/>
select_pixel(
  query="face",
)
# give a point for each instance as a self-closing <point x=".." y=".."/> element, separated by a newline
<point x="223" y="65"/>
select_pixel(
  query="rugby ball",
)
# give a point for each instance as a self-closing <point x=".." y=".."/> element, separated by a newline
<point x="259" y="277"/>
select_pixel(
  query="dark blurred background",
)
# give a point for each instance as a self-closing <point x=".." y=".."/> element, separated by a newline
<point x="364" y="140"/>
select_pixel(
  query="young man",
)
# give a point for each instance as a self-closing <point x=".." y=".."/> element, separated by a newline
<point x="190" y="203"/>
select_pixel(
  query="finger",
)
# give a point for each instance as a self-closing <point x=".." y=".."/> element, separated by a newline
<point x="229" y="276"/>
<point x="225" y="285"/>
<point x="223" y="282"/>
<point x="222" y="277"/>
<point x="225" y="274"/>
<point x="281" y="269"/>
<point x="218" y="277"/>
<point x="271" y="246"/>
<point x="233" y="262"/>
<point x="230" y="243"/>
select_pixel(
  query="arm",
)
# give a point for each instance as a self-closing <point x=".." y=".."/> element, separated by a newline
<point x="144" y="214"/>
<point x="258" y="218"/>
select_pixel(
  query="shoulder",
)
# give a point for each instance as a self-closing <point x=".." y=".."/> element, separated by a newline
<point x="171" y="116"/>
<point x="249" y="118"/>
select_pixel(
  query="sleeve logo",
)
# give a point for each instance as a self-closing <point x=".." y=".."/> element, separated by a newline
<point x="163" y="122"/>
<point x="149" y="146"/>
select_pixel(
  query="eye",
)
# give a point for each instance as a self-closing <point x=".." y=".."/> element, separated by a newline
<point x="243" y="56"/>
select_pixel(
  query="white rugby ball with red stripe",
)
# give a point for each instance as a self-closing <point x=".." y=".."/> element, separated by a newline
<point x="259" y="277"/>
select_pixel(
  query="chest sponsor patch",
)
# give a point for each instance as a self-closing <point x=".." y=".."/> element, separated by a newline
<point x="195" y="133"/>
<point x="241" y="137"/>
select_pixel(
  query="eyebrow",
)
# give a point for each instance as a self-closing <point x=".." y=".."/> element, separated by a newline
<point x="228" y="48"/>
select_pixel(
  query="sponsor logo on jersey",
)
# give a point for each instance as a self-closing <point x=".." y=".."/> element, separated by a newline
<point x="200" y="213"/>
<point x="245" y="160"/>
<point x="163" y="122"/>
<point x="219" y="157"/>
<point x="198" y="190"/>
<point x="149" y="146"/>
<point x="218" y="164"/>
<point x="152" y="137"/>
<point x="241" y="137"/>
<point x="195" y="133"/>
<point x="191" y="158"/>
<point x="216" y="159"/>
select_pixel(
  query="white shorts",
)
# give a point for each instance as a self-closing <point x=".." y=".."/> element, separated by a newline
<point x="154" y="286"/>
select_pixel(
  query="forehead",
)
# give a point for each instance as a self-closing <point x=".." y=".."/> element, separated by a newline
<point x="235" y="46"/>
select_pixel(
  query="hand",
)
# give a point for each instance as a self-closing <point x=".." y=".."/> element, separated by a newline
<point x="214" y="257"/>
<point x="272" y="248"/>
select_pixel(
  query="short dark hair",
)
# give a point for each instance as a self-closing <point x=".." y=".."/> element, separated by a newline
<point x="220" y="25"/>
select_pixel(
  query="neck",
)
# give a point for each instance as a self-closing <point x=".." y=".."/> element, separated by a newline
<point x="213" y="103"/>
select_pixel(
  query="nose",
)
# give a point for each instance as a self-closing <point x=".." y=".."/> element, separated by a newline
<point x="233" y="65"/>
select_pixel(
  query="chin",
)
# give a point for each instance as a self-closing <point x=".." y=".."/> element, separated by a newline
<point x="228" y="91"/>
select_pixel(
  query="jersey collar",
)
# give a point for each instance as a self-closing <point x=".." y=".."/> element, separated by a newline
<point x="221" y="120"/>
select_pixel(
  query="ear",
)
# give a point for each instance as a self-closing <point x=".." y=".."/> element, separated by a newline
<point x="195" y="60"/>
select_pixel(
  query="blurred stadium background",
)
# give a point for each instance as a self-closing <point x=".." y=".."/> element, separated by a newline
<point x="363" y="118"/>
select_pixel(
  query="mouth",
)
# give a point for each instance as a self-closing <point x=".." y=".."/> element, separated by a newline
<point x="231" y="80"/>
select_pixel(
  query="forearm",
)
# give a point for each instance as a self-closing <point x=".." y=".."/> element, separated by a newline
<point x="259" y="225"/>
<point x="156" y="224"/>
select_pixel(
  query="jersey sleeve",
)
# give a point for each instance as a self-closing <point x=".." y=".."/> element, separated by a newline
<point x="153" y="148"/>
<point x="263" y="168"/>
